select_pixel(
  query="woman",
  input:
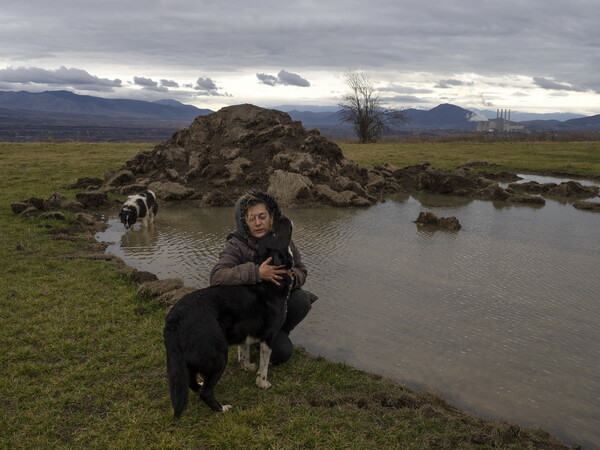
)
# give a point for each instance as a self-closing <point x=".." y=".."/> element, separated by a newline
<point x="254" y="216"/>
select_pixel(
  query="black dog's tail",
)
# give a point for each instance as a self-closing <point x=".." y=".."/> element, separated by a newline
<point x="177" y="371"/>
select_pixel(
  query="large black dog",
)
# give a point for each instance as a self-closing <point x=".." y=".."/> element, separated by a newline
<point x="203" y="324"/>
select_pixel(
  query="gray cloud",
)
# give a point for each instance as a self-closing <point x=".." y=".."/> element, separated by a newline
<point x="205" y="84"/>
<point x="169" y="83"/>
<point x="146" y="82"/>
<point x="269" y="80"/>
<point x="498" y="40"/>
<point x="447" y="84"/>
<point x="62" y="76"/>
<point x="208" y="88"/>
<point x="292" y="79"/>
<point x="546" y="83"/>
<point x="283" y="78"/>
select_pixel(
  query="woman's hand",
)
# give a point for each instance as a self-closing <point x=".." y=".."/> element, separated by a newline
<point x="271" y="273"/>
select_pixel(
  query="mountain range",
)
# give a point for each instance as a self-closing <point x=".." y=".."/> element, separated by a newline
<point x="64" y="115"/>
<point x="451" y="117"/>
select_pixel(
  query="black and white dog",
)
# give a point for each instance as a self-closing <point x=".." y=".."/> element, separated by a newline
<point x="203" y="324"/>
<point x="142" y="206"/>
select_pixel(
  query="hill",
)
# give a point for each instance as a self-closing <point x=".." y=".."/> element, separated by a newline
<point x="591" y="123"/>
<point x="63" y="115"/>
<point x="60" y="103"/>
<point x="444" y="118"/>
<point x="27" y="116"/>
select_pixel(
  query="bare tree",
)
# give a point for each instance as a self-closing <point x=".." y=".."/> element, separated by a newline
<point x="362" y="108"/>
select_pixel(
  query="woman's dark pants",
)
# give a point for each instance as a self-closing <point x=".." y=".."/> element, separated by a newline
<point x="298" y="307"/>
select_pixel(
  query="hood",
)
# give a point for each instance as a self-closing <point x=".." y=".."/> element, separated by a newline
<point x="241" y="207"/>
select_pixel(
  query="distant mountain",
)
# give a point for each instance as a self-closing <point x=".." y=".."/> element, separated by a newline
<point x="65" y="103"/>
<point x="442" y="117"/>
<point x="27" y="116"/>
<point x="518" y="116"/>
<point x="585" y="122"/>
<point x="311" y="108"/>
<point x="312" y="119"/>
<point x="591" y="123"/>
<point x="446" y="118"/>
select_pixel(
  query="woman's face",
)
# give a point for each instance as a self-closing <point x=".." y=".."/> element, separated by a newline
<point x="259" y="220"/>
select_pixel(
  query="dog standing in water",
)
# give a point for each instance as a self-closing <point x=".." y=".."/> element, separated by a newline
<point x="142" y="206"/>
<point x="203" y="324"/>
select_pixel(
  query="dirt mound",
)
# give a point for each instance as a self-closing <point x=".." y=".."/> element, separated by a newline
<point x="564" y="189"/>
<point x="224" y="154"/>
<point x="429" y="219"/>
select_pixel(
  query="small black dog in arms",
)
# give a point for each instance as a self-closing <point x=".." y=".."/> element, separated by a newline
<point x="142" y="207"/>
<point x="203" y="324"/>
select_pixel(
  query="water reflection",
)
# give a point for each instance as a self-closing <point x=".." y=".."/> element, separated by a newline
<point x="501" y="317"/>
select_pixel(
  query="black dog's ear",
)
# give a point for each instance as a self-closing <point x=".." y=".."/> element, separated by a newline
<point x="283" y="229"/>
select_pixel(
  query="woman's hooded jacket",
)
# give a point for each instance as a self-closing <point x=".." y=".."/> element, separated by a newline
<point x="236" y="262"/>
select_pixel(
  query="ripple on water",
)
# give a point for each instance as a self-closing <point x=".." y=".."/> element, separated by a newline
<point x="500" y="317"/>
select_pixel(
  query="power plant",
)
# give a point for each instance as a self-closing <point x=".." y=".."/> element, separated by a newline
<point x="501" y="124"/>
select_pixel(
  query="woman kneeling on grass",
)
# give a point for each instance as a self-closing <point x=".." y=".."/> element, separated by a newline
<point x="254" y="214"/>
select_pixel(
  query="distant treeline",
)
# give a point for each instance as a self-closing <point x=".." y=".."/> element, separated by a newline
<point x="546" y="136"/>
<point x="160" y="132"/>
<point x="32" y="133"/>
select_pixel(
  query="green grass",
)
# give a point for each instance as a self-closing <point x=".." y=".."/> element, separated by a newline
<point x="578" y="157"/>
<point x="82" y="361"/>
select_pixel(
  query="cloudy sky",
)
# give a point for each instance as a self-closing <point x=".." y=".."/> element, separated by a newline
<point x="529" y="55"/>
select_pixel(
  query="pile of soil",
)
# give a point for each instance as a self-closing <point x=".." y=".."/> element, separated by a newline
<point x="429" y="219"/>
<point x="225" y="154"/>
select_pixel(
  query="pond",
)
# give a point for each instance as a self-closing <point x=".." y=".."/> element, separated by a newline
<point x="501" y="318"/>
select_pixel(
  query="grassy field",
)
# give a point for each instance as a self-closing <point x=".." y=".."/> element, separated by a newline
<point x="82" y="360"/>
<point x="578" y="157"/>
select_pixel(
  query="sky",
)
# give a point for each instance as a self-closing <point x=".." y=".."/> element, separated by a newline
<point x="538" y="56"/>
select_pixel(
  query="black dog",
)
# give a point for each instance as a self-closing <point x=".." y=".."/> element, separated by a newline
<point x="142" y="206"/>
<point x="202" y="325"/>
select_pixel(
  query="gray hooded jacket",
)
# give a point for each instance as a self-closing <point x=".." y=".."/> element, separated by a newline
<point x="236" y="261"/>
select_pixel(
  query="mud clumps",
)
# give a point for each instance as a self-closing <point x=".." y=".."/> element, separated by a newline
<point x="564" y="189"/>
<point x="222" y="155"/>
<point x="430" y="220"/>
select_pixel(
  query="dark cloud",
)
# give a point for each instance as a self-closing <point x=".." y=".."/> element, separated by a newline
<point x="284" y="78"/>
<point x="205" y="84"/>
<point x="447" y="84"/>
<point x="63" y="76"/>
<point x="208" y="88"/>
<point x="269" y="80"/>
<point x="146" y="82"/>
<point x="508" y="41"/>
<point x="292" y="79"/>
<point x="546" y="83"/>
<point x="169" y="83"/>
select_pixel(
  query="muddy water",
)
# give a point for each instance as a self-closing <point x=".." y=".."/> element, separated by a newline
<point x="501" y="318"/>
